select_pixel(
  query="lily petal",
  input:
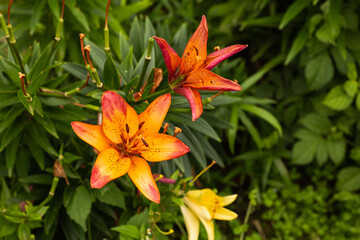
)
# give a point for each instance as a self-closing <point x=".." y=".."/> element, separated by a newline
<point x="191" y="223"/>
<point x="117" y="113"/>
<point x="194" y="98"/>
<point x="195" y="51"/>
<point x="163" y="147"/>
<point x="224" y="214"/>
<point x="217" y="57"/>
<point x="152" y="118"/>
<point x="140" y="174"/>
<point x="209" y="227"/>
<point x="109" y="165"/>
<point x="172" y="60"/>
<point x="228" y="199"/>
<point x="203" y="79"/>
<point x="197" y="209"/>
<point x="92" y="134"/>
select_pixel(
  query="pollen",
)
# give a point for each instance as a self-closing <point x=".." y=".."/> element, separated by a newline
<point x="144" y="142"/>
<point x="127" y="128"/>
<point x="141" y="124"/>
<point x="177" y="131"/>
<point x="217" y="48"/>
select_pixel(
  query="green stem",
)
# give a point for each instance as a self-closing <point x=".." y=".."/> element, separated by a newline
<point x="248" y="211"/>
<point x="51" y="193"/>
<point x="107" y="41"/>
<point x="146" y="63"/>
<point x="58" y="29"/>
<point x="155" y="95"/>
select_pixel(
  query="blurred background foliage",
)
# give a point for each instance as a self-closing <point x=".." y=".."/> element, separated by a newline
<point x="292" y="133"/>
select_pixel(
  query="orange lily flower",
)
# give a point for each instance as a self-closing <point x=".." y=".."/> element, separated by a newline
<point x="191" y="72"/>
<point x="127" y="140"/>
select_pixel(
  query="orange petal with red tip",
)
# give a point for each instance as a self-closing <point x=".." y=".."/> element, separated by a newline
<point x="163" y="147"/>
<point x="217" y="57"/>
<point x="109" y="165"/>
<point x="203" y="79"/>
<point x="152" y="118"/>
<point x="172" y="60"/>
<point x="92" y="134"/>
<point x="195" y="51"/>
<point x="119" y="118"/>
<point x="140" y="174"/>
<point x="194" y="98"/>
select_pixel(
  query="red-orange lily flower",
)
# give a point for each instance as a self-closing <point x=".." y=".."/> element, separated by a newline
<point x="191" y="72"/>
<point x="126" y="140"/>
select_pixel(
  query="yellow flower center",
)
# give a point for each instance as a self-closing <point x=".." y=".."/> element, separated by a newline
<point x="132" y="146"/>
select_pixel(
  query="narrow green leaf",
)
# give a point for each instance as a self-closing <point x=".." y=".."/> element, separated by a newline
<point x="295" y="8"/>
<point x="75" y="69"/>
<point x="38" y="8"/>
<point x="41" y="139"/>
<point x="79" y="16"/>
<point x="12" y="70"/>
<point x="28" y="105"/>
<point x="251" y="128"/>
<point x="124" y="12"/>
<point x="54" y="8"/>
<point x="38" y="154"/>
<point x="8" y="100"/>
<point x="44" y="179"/>
<point x="11" y="133"/>
<point x="10" y="116"/>
<point x="264" y="114"/>
<point x="10" y="155"/>
<point x="298" y="44"/>
<point x="46" y="123"/>
<point x="232" y="133"/>
<point x="41" y="63"/>
<point x="111" y="76"/>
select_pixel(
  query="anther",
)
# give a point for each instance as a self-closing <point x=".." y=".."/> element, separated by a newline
<point x="166" y="126"/>
<point x="141" y="124"/>
<point x="144" y="142"/>
<point x="217" y="48"/>
<point x="127" y="128"/>
<point x="177" y="131"/>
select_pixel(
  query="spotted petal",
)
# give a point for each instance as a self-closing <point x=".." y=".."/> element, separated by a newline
<point x="194" y="98"/>
<point x="92" y="134"/>
<point x="172" y="60"/>
<point x="117" y="113"/>
<point x="152" y="118"/>
<point x="140" y="174"/>
<point x="217" y="57"/>
<point x="110" y="164"/>
<point x="195" y="51"/>
<point x="162" y="147"/>
<point x="203" y="79"/>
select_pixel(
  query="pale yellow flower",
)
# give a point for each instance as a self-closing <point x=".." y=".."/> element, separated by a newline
<point x="205" y="205"/>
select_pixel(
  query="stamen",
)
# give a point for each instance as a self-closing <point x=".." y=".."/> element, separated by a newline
<point x="218" y="94"/>
<point x="62" y="9"/>
<point x="21" y="76"/>
<point x="8" y="13"/>
<point x="141" y="124"/>
<point x="166" y="126"/>
<point x="87" y="80"/>
<point x="217" y="48"/>
<point x="177" y="131"/>
<point x="81" y="35"/>
<point x="87" y="48"/>
<point x="127" y="128"/>
<point x="144" y="142"/>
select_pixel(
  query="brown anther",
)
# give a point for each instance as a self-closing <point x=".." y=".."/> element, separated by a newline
<point x="127" y="128"/>
<point x="177" y="131"/>
<point x="141" y="124"/>
<point x="87" y="48"/>
<point x="81" y="35"/>
<point x="144" y="142"/>
<point x="137" y="96"/>
<point x="217" y="48"/>
<point x="21" y="75"/>
<point x="23" y="87"/>
<point x="166" y="126"/>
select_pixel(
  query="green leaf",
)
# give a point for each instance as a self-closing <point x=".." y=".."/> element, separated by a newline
<point x="38" y="154"/>
<point x="338" y="99"/>
<point x="126" y="67"/>
<point x="30" y="106"/>
<point x="41" y="139"/>
<point x="112" y="195"/>
<point x="124" y="12"/>
<point x="352" y="40"/>
<point x="46" y="123"/>
<point x="334" y="17"/>
<point x="79" y="16"/>
<point x="232" y="133"/>
<point x="36" y="14"/>
<point x="69" y="157"/>
<point x="351" y="87"/>
<point x="11" y="133"/>
<point x="319" y="71"/>
<point x="295" y="8"/>
<point x="355" y="153"/>
<point x="111" y="76"/>
<point x="54" y="7"/>
<point x="348" y="179"/>
<point x="321" y="152"/>
<point x="336" y="149"/>
<point x="251" y="128"/>
<point x="11" y="155"/>
<point x="10" y="116"/>
<point x="24" y="231"/>
<point x="130" y="231"/>
<point x="45" y="179"/>
<point x="80" y="206"/>
<point x="264" y="114"/>
<point x="303" y="152"/>
<point x="298" y="44"/>
<point x="358" y="101"/>
<point x="12" y="70"/>
<point x="316" y="123"/>
<point x="41" y="63"/>
<point x="75" y="69"/>
<point x="199" y="125"/>
<point x="8" y="100"/>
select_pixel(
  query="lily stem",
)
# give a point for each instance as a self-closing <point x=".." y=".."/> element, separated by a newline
<point x="51" y="192"/>
<point x="248" y="211"/>
<point x="146" y="63"/>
